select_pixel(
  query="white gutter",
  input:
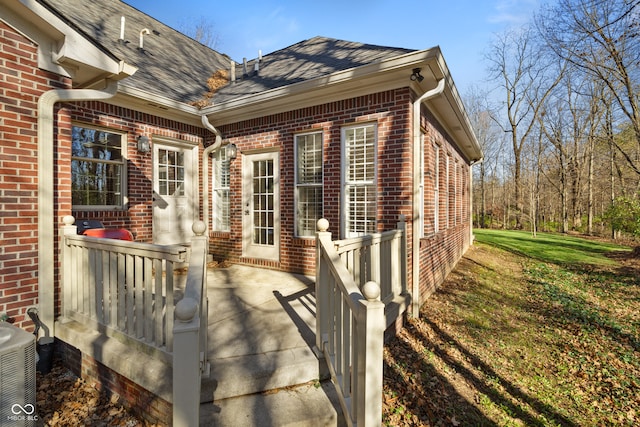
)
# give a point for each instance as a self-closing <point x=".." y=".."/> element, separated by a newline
<point x="47" y="224"/>
<point x="415" y="220"/>
<point x="205" y="167"/>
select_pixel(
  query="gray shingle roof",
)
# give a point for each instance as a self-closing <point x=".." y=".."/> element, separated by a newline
<point x="177" y="67"/>
<point x="171" y="64"/>
<point x="302" y="61"/>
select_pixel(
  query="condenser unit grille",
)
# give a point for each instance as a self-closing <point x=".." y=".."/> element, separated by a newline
<point x="17" y="377"/>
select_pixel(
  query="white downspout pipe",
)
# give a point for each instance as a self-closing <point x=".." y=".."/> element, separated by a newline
<point x="473" y="163"/>
<point x="415" y="220"/>
<point x="47" y="225"/>
<point x="205" y="168"/>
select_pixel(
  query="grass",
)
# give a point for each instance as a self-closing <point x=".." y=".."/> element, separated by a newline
<point x="553" y="248"/>
<point x="525" y="331"/>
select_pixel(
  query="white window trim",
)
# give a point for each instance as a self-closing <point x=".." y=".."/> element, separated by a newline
<point x="421" y="186"/>
<point x="216" y="221"/>
<point x="436" y="188"/>
<point x="447" y="192"/>
<point x="344" y="184"/>
<point x="123" y="179"/>
<point x="298" y="185"/>
<point x="454" y="177"/>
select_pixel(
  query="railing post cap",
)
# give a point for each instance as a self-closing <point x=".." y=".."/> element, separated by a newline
<point x="371" y="291"/>
<point x="199" y="227"/>
<point x="323" y="224"/>
<point x="186" y="309"/>
<point x="68" y="220"/>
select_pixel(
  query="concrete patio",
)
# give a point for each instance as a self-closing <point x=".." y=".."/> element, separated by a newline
<point x="261" y="337"/>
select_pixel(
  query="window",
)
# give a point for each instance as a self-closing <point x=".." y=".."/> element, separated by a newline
<point x="308" y="182"/>
<point x="447" y="188"/>
<point x="221" y="204"/>
<point x="359" y="180"/>
<point x="98" y="168"/>
<point x="421" y="174"/>
<point x="436" y="188"/>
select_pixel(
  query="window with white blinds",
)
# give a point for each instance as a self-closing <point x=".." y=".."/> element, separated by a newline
<point x="221" y="203"/>
<point x="359" y="197"/>
<point x="308" y="194"/>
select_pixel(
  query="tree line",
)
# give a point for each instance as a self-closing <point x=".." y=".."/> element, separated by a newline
<point x="560" y="128"/>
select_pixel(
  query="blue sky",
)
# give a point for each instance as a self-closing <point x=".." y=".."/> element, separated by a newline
<point x="462" y="28"/>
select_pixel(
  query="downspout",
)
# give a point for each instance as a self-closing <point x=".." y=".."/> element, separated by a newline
<point x="415" y="221"/>
<point x="205" y="167"/>
<point x="47" y="228"/>
<point x="471" y="164"/>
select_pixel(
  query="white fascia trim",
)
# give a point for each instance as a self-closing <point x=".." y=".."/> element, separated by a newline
<point x="157" y="105"/>
<point x="66" y="50"/>
<point x="340" y="77"/>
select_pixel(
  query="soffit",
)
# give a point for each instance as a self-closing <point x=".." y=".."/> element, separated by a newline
<point x="61" y="48"/>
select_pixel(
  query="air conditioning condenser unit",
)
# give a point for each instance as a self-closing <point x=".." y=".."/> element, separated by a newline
<point x="17" y="376"/>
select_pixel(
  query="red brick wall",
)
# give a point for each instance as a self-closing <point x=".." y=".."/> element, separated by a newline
<point x="138" y="217"/>
<point x="138" y="400"/>
<point x="441" y="249"/>
<point x="390" y="110"/>
<point x="21" y="84"/>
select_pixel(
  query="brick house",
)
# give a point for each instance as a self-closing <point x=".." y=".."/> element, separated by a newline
<point x="105" y="114"/>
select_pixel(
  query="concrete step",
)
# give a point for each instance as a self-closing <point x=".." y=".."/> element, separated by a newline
<point x="256" y="373"/>
<point x="314" y="404"/>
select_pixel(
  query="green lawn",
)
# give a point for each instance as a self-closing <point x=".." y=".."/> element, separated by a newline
<point x="553" y="248"/>
<point x="526" y="331"/>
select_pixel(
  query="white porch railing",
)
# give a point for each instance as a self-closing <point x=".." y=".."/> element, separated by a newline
<point x="127" y="288"/>
<point x="350" y="331"/>
<point x="190" y="335"/>
<point x="378" y="257"/>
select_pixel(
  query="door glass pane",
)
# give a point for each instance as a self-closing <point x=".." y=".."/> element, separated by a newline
<point x="170" y="172"/>
<point x="263" y="202"/>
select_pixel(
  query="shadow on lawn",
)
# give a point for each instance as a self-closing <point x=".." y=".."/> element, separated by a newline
<point x="417" y="394"/>
<point x="436" y="400"/>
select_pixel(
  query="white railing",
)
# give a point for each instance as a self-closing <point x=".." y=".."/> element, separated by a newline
<point x="350" y="326"/>
<point x="127" y="288"/>
<point x="124" y="287"/>
<point x="378" y="257"/>
<point x="190" y="335"/>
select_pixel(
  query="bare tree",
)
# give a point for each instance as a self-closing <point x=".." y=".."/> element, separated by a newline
<point x="526" y="77"/>
<point x="491" y="140"/>
<point x="201" y="30"/>
<point x="601" y="37"/>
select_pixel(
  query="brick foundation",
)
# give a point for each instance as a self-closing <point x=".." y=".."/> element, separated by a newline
<point x="138" y="400"/>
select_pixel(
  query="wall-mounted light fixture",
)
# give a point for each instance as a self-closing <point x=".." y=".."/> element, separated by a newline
<point x="143" y="144"/>
<point x="415" y="75"/>
<point x="232" y="151"/>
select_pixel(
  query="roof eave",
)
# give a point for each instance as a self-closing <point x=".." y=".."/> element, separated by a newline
<point x="338" y="85"/>
<point x="157" y="105"/>
<point x="62" y="49"/>
<point x="450" y="112"/>
<point x="384" y="75"/>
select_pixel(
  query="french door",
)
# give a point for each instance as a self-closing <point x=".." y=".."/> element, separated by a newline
<point x="261" y="206"/>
